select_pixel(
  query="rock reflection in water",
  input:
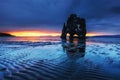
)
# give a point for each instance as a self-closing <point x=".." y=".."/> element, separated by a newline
<point x="74" y="49"/>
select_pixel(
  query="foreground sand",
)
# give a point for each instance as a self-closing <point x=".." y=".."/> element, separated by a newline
<point x="48" y="61"/>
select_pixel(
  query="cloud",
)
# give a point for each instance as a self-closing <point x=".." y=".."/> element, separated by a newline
<point x="52" y="14"/>
<point x="115" y="10"/>
<point x="108" y="25"/>
<point x="32" y="12"/>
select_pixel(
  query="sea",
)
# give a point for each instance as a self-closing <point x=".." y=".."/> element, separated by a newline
<point x="101" y="58"/>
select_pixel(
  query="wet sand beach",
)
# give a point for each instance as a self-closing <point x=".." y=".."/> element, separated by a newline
<point x="26" y="60"/>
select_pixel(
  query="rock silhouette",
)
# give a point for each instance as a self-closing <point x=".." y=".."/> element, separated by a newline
<point x="74" y="25"/>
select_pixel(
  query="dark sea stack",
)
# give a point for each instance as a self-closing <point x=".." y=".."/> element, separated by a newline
<point x="6" y="35"/>
<point x="74" y="26"/>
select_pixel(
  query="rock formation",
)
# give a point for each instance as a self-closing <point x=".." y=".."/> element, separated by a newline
<point x="74" y="25"/>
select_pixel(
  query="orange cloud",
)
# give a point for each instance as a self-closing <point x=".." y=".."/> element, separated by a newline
<point x="97" y="34"/>
<point x="34" y="33"/>
<point x="46" y="33"/>
<point x="93" y="34"/>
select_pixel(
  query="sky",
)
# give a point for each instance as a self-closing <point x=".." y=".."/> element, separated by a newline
<point x="102" y="16"/>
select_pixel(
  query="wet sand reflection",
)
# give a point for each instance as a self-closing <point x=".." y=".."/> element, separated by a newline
<point x="74" y="49"/>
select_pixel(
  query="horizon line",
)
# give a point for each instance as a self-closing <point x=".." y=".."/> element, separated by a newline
<point x="53" y="34"/>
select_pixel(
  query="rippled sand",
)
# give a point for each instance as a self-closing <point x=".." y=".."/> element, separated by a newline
<point x="49" y="61"/>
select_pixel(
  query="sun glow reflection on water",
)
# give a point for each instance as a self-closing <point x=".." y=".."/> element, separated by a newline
<point x="58" y="39"/>
<point x="31" y="39"/>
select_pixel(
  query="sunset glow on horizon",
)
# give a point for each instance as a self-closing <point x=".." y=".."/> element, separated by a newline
<point x="45" y="33"/>
<point x="95" y="34"/>
<point x="34" y="33"/>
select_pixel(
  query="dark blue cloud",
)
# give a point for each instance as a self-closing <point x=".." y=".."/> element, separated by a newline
<point x="51" y="14"/>
<point x="33" y="12"/>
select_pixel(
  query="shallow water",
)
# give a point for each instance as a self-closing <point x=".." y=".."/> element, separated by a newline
<point x="100" y="61"/>
<point x="30" y="39"/>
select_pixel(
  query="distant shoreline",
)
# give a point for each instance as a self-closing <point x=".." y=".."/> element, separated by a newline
<point x="6" y="35"/>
